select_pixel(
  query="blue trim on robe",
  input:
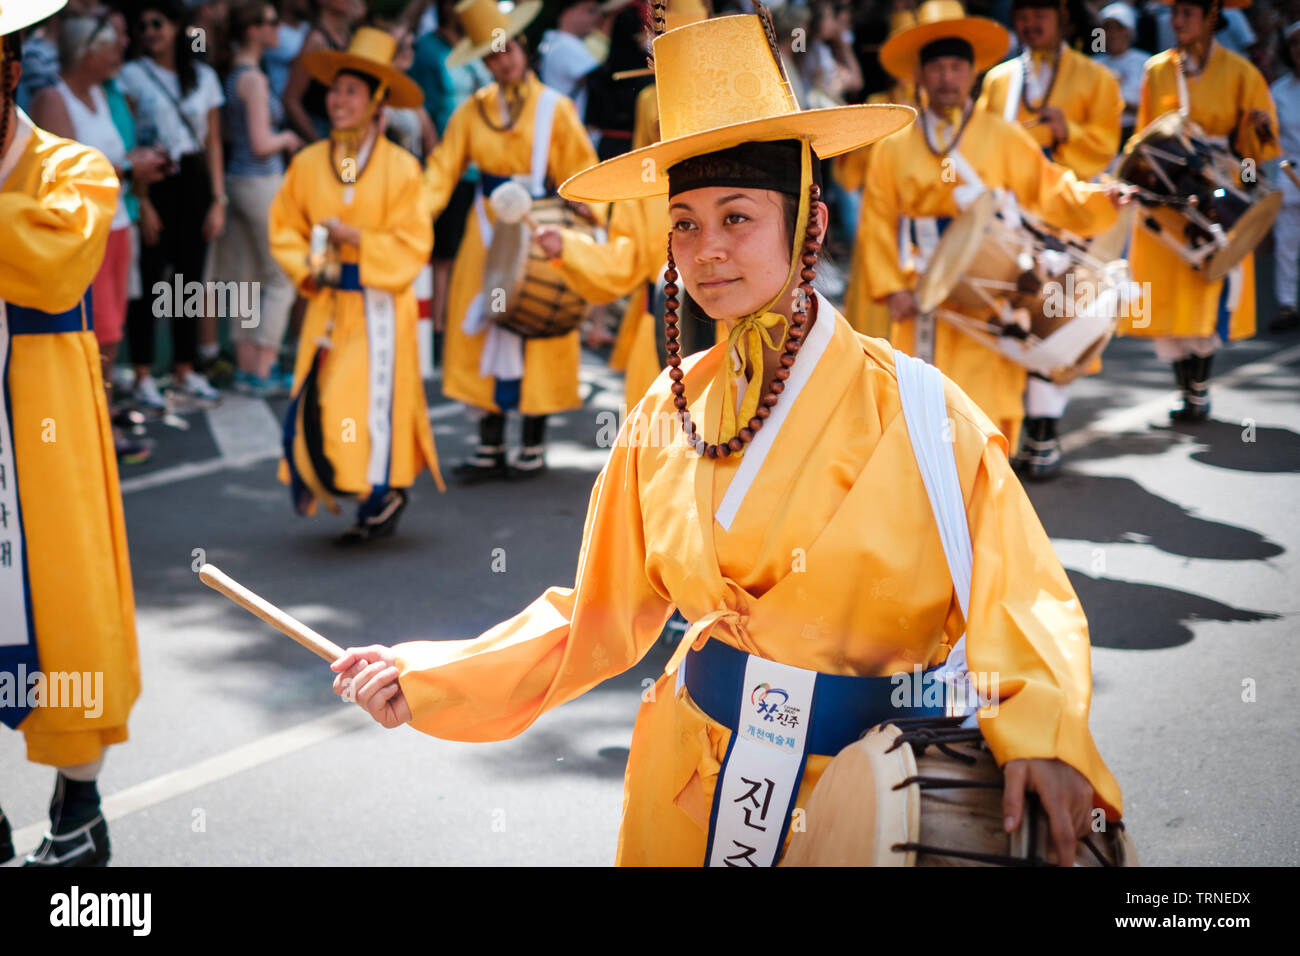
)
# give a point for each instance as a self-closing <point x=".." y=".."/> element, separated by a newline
<point x="1224" y="319"/>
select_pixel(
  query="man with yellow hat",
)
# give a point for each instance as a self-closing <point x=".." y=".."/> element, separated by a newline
<point x="923" y="177"/>
<point x="349" y="228"/>
<point x="1073" y="108"/>
<point x="69" y="670"/>
<point x="515" y="128"/>
<point x="774" y="489"/>
<point x="1188" y="318"/>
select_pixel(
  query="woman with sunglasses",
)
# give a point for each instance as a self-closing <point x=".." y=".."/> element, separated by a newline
<point x="177" y="101"/>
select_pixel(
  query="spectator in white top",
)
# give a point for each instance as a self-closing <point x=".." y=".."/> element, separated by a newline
<point x="563" y="59"/>
<point x="1286" y="228"/>
<point x="177" y="101"/>
<point x="1125" y="62"/>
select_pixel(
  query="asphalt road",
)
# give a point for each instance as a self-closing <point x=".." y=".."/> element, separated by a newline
<point x="1181" y="542"/>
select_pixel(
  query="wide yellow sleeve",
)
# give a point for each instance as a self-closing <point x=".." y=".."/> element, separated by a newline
<point x="1026" y="626"/>
<point x="1091" y="144"/>
<point x="560" y="646"/>
<point x="288" y="228"/>
<point x="392" y="256"/>
<point x="449" y="159"/>
<point x="53" y="242"/>
<point x="1255" y="96"/>
<point x="1050" y="190"/>
<point x="571" y="151"/>
<point x="877" y="246"/>
<point x="601" y="272"/>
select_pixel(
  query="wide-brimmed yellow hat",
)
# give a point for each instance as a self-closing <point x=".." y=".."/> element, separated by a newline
<point x="719" y="85"/>
<point x="16" y="15"/>
<point x="939" y="20"/>
<point x="370" y="52"/>
<point x="486" y="24"/>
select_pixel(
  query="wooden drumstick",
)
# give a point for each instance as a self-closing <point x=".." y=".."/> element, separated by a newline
<point x="1288" y="167"/>
<point x="218" y="580"/>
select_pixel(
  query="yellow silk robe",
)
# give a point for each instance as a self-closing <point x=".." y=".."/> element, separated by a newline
<point x="602" y="272"/>
<point x="550" y="382"/>
<point x="1178" y="301"/>
<point x="867" y="315"/>
<point x="832" y="563"/>
<point x="906" y="179"/>
<point x="56" y="207"/>
<point x="386" y="204"/>
<point x="1088" y="96"/>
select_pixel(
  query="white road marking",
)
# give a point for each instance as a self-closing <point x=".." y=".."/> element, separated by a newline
<point x="178" y="782"/>
<point x="244" y="427"/>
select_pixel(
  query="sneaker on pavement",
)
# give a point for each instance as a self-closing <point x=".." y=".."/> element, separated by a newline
<point x="148" y="395"/>
<point x="196" y="386"/>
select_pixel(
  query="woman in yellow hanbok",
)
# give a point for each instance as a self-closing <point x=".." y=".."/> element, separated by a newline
<point x="358" y="424"/>
<point x="769" y="488"/>
<point x="69" y="669"/>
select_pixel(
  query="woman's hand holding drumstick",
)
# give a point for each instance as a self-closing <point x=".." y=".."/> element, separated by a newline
<point x="368" y="675"/>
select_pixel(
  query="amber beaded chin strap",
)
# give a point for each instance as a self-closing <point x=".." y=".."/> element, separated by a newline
<point x="794" y="336"/>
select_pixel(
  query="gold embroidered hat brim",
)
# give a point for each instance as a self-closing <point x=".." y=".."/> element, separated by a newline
<point x="718" y="84"/>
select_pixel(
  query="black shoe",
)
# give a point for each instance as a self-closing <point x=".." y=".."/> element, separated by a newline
<point x="381" y="525"/>
<point x="6" y="839"/>
<point x="86" y="845"/>
<point x="1196" y="390"/>
<point x="486" y="464"/>
<point x="1288" y="320"/>
<point x="530" y="463"/>
<point x="1039" y="457"/>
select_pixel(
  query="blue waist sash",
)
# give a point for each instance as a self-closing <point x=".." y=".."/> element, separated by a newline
<point x="843" y="706"/>
<point x="27" y="321"/>
<point x="350" y="277"/>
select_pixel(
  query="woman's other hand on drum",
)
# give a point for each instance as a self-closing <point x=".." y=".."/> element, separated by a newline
<point x="1066" y="796"/>
<point x="551" y="239"/>
<point x="902" y="305"/>
<point x="368" y="675"/>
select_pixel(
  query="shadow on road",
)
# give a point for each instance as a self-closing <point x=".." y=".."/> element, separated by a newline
<point x="1128" y="616"/>
<point x="1237" y="446"/>
<point x="1131" y="514"/>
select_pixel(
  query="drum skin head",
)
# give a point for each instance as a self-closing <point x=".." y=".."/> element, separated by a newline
<point x="958" y="246"/>
<point x="1247" y="233"/>
<point x="854" y="815"/>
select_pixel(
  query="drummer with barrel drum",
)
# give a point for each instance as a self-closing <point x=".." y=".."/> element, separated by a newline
<point x="1072" y="107"/>
<point x="1209" y="125"/>
<point x="922" y="179"/>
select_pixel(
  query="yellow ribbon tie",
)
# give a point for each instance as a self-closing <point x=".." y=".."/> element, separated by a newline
<point x="747" y="340"/>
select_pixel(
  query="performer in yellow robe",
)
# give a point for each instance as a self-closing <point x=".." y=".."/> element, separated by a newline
<point x="486" y="366"/>
<point x="69" y="670"/>
<point x="805" y="543"/>
<point x="358" y="423"/>
<point x="850" y="170"/>
<point x="1071" y="106"/>
<point x="1189" y="318"/>
<point x="936" y="167"/>
<point x="1069" y="103"/>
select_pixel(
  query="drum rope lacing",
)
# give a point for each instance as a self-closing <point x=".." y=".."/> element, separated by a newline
<point x="940" y="734"/>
